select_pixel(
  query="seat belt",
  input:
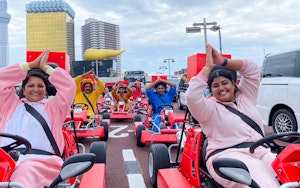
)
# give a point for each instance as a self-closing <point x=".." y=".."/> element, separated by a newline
<point x="246" y="119"/>
<point x="45" y="126"/>
<point x="88" y="100"/>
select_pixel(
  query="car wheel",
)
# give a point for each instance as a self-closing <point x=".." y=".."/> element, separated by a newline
<point x="284" y="120"/>
<point x="180" y="107"/>
<point x="139" y="131"/>
<point x="105" y="126"/>
<point x="106" y="116"/>
<point x="158" y="159"/>
<point x="99" y="149"/>
<point x="137" y="118"/>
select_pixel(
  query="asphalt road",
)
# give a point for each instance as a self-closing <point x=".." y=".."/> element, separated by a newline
<point x="127" y="164"/>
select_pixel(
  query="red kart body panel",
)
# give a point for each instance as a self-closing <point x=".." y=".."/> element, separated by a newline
<point x="189" y="165"/>
<point x="84" y="133"/>
<point x="175" y="118"/>
<point x="287" y="164"/>
<point x="166" y="136"/>
<point x="173" y="174"/>
<point x="7" y="166"/>
<point x="121" y="115"/>
<point x="95" y="177"/>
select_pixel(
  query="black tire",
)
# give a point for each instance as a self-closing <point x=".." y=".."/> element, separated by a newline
<point x="139" y="130"/>
<point x="158" y="159"/>
<point x="106" y="116"/>
<point x="137" y="118"/>
<point x="105" y="126"/>
<point x="180" y="107"/>
<point x="284" y="120"/>
<point x="99" y="149"/>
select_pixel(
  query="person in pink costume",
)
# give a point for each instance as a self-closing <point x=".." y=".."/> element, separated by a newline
<point x="224" y="129"/>
<point x="35" y="170"/>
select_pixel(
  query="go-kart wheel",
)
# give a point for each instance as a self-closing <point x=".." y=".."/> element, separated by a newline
<point x="99" y="149"/>
<point x="139" y="131"/>
<point x="106" y="116"/>
<point x="105" y="126"/>
<point x="137" y="118"/>
<point x="18" y="141"/>
<point x="278" y="146"/>
<point x="158" y="159"/>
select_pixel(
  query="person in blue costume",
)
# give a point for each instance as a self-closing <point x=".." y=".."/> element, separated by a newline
<point x="159" y="96"/>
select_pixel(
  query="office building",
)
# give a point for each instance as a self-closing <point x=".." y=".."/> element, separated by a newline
<point x="101" y="35"/>
<point x="50" y="25"/>
<point x="4" y="20"/>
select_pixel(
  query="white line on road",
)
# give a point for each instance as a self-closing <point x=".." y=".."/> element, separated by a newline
<point x="132" y="169"/>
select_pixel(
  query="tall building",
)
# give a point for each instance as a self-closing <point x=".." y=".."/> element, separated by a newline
<point x="4" y="20"/>
<point x="101" y="35"/>
<point x="50" y="25"/>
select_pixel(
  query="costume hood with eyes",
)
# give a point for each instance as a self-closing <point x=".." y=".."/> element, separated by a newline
<point x="87" y="81"/>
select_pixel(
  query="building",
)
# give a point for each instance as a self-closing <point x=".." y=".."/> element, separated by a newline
<point x="102" y="68"/>
<point x="4" y="20"/>
<point x="101" y="35"/>
<point x="50" y="25"/>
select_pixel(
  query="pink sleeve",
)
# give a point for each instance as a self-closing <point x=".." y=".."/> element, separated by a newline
<point x="200" y="106"/>
<point x="250" y="79"/>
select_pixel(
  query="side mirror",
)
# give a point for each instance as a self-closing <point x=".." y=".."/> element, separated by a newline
<point x="74" y="166"/>
<point x="234" y="170"/>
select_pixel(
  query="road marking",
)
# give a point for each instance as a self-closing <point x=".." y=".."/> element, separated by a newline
<point x="132" y="169"/>
<point x="112" y="134"/>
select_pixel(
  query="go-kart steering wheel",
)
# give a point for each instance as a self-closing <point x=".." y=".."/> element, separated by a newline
<point x="270" y="141"/>
<point x="81" y="104"/>
<point x="160" y="107"/>
<point x="18" y="141"/>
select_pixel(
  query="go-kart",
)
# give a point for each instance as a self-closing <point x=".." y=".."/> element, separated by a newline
<point x="95" y="127"/>
<point x="139" y="103"/>
<point x="144" y="127"/>
<point x="86" y="164"/>
<point x="121" y="113"/>
<point x="191" y="170"/>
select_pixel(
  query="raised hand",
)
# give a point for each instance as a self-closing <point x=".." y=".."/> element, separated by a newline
<point x="36" y="63"/>
<point x="44" y="60"/>
<point x="218" y="59"/>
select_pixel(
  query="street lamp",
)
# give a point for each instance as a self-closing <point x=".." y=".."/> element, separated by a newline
<point x="169" y="60"/>
<point x="197" y="29"/>
<point x="163" y="69"/>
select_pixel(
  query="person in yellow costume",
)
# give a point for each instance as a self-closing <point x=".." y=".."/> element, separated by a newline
<point x="119" y="93"/>
<point x="85" y="92"/>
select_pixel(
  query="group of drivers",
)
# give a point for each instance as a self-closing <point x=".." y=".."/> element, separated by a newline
<point x="87" y="93"/>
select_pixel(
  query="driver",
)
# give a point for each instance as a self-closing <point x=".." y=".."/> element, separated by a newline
<point x="85" y="92"/>
<point x="119" y="93"/>
<point x="40" y="166"/>
<point x="158" y="96"/>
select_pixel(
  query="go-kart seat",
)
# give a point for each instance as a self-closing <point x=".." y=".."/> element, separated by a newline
<point x="203" y="160"/>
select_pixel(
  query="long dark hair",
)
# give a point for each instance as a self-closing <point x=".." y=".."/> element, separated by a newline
<point x="50" y="89"/>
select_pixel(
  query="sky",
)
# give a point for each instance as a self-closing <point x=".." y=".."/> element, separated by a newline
<point x="154" y="30"/>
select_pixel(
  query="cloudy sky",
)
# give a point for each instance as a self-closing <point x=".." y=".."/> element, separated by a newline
<point x="153" y="30"/>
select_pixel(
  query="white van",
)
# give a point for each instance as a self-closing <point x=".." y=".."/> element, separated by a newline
<point x="278" y="99"/>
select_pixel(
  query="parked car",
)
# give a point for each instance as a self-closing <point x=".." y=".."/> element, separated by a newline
<point x="278" y="98"/>
<point x="182" y="87"/>
<point x="176" y="82"/>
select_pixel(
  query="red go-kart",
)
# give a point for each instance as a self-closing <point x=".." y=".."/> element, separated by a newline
<point x="96" y="127"/>
<point x="143" y="127"/>
<point x="121" y="113"/>
<point x="85" y="164"/>
<point x="191" y="170"/>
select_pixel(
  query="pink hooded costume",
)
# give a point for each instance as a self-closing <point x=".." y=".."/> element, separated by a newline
<point x="32" y="170"/>
<point x="225" y="129"/>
